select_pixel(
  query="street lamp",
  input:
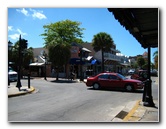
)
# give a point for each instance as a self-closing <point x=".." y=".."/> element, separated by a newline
<point x="148" y="100"/>
<point x="81" y="62"/>
<point x="9" y="49"/>
<point x="45" y="57"/>
<point x="18" y="85"/>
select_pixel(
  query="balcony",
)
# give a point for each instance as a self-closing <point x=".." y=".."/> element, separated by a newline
<point x="110" y="56"/>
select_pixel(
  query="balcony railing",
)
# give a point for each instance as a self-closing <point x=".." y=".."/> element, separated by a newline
<point x="110" y="56"/>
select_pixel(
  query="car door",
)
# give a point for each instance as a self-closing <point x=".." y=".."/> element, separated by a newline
<point x="114" y="81"/>
<point x="103" y="80"/>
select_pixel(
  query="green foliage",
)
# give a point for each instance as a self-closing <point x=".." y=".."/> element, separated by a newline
<point x="155" y="57"/>
<point x="140" y="61"/>
<point x="59" y="54"/>
<point x="102" y="41"/>
<point x="66" y="31"/>
<point x="27" y="56"/>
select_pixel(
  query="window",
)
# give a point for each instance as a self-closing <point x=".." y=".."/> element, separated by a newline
<point x="104" y="76"/>
<point x="113" y="77"/>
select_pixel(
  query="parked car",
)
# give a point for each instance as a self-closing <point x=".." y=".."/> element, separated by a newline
<point x="12" y="74"/>
<point x="113" y="80"/>
<point x="154" y="72"/>
<point x="143" y="74"/>
<point x="140" y="75"/>
<point x="131" y="71"/>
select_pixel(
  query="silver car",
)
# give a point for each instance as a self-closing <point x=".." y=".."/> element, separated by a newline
<point x="12" y="75"/>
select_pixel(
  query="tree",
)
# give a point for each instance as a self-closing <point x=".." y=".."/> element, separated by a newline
<point x="140" y="61"/>
<point x="26" y="54"/>
<point x="59" y="55"/>
<point x="58" y="38"/>
<point x="155" y="57"/>
<point x="66" y="31"/>
<point x="102" y="42"/>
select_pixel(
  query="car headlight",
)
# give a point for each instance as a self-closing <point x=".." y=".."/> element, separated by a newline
<point x="139" y="83"/>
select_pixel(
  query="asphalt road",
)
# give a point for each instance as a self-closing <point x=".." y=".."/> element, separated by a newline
<point x="68" y="102"/>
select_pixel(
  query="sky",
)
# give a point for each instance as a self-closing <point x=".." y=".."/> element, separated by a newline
<point x="29" y="23"/>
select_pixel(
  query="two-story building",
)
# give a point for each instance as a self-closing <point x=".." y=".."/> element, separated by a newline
<point x="113" y="60"/>
<point x="37" y="67"/>
<point x="88" y="64"/>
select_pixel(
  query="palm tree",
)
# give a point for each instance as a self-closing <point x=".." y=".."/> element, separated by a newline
<point x="102" y="42"/>
<point x="155" y="57"/>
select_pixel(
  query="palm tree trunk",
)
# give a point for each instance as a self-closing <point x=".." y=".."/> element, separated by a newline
<point x="102" y="56"/>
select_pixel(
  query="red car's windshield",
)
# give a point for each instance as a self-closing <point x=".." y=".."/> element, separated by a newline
<point x="121" y="76"/>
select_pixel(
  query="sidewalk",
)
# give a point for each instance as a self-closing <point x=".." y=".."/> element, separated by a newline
<point x="134" y="111"/>
<point x="140" y="113"/>
<point x="14" y="91"/>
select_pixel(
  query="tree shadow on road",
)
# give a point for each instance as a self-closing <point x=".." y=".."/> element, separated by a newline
<point x="63" y="81"/>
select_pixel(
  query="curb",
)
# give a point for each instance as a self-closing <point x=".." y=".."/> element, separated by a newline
<point x="22" y="93"/>
<point x="127" y="113"/>
<point x="129" y="116"/>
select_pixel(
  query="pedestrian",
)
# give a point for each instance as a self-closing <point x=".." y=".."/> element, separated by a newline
<point x="53" y="72"/>
<point x="72" y="75"/>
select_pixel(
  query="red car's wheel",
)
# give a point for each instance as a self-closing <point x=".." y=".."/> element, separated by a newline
<point x="129" y="87"/>
<point x="96" y="86"/>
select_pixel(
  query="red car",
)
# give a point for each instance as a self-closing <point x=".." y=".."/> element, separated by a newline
<point x="140" y="75"/>
<point x="113" y="80"/>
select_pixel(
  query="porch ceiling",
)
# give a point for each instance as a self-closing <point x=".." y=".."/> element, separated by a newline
<point x="142" y="23"/>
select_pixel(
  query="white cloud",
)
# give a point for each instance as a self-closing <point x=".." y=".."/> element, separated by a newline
<point x="24" y="11"/>
<point x="14" y="36"/>
<point x="18" y="32"/>
<point x="10" y="28"/>
<point x="38" y="14"/>
<point x="35" y="13"/>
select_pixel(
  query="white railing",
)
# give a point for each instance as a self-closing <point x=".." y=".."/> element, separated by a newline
<point x="110" y="56"/>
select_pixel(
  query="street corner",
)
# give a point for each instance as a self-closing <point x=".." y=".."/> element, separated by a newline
<point x="127" y="114"/>
<point x="12" y="92"/>
<point x="136" y="113"/>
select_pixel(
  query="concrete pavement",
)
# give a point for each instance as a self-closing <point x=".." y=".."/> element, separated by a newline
<point x="134" y="111"/>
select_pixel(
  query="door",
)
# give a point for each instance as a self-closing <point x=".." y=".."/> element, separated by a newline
<point x="115" y="81"/>
<point x="103" y="80"/>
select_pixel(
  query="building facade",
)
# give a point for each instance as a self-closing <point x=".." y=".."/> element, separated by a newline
<point x="86" y="64"/>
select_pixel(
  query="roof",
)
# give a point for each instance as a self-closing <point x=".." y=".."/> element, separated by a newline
<point x="142" y="23"/>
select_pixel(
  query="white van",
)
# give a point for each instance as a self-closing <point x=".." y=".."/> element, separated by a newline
<point x="12" y="74"/>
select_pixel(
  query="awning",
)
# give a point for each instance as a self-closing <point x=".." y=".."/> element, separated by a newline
<point x="94" y="61"/>
<point x="36" y="64"/>
<point x="85" y="49"/>
<point x="89" y="58"/>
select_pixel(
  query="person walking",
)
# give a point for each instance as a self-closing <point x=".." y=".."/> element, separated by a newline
<point x="53" y="72"/>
